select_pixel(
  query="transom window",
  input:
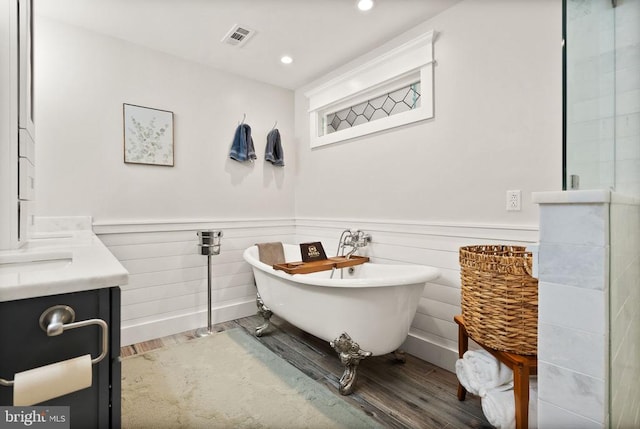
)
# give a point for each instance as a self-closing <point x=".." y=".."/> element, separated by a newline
<point x="391" y="103"/>
<point x="393" y="89"/>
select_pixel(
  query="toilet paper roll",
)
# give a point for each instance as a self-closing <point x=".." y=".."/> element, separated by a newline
<point x="50" y="381"/>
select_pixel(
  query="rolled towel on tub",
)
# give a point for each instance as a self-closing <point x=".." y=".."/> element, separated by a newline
<point x="271" y="253"/>
<point x="479" y="369"/>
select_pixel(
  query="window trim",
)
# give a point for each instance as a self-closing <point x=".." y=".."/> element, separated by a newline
<point x="368" y="80"/>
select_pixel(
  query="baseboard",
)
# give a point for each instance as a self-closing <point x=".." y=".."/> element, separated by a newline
<point x="185" y="322"/>
<point x="431" y="352"/>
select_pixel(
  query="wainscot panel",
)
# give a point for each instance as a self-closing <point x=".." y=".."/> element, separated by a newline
<point x="167" y="290"/>
<point x="166" y="293"/>
<point x="433" y="335"/>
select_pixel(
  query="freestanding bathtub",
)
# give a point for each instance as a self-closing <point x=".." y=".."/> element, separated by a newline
<point x="366" y="312"/>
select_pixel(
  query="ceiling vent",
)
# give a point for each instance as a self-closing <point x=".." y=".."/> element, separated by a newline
<point x="238" y="35"/>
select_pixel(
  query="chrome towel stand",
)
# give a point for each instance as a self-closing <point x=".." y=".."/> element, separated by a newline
<point x="209" y="245"/>
<point x="59" y="318"/>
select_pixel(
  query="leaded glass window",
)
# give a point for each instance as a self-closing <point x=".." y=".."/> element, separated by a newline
<point x="388" y="104"/>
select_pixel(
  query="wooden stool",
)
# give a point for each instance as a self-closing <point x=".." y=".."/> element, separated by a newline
<point x="522" y="366"/>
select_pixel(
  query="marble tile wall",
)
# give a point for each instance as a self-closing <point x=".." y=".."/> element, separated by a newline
<point x="573" y="311"/>
<point x="625" y="312"/>
<point x="627" y="98"/>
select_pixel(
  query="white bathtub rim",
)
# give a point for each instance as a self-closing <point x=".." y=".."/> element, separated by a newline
<point x="403" y="274"/>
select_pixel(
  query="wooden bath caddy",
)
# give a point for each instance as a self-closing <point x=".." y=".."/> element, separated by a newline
<point x="322" y="265"/>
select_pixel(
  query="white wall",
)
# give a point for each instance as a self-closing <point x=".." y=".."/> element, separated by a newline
<point x="9" y="104"/>
<point x="148" y="215"/>
<point x="422" y="190"/>
<point x="82" y="79"/>
<point x="8" y="132"/>
<point x="497" y="126"/>
<point x="426" y="189"/>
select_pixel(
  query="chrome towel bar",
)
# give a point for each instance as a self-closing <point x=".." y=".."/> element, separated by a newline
<point x="59" y="318"/>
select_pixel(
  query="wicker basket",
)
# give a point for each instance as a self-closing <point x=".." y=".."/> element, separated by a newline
<point x="500" y="298"/>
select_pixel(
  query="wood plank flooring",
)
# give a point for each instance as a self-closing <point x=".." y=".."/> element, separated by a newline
<point x="415" y="394"/>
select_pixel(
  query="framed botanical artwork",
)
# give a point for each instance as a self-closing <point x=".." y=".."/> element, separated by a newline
<point x="148" y="135"/>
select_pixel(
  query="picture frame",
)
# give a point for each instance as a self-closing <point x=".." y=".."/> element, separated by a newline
<point x="148" y="135"/>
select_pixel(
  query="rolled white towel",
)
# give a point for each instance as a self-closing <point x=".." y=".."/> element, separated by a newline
<point x="533" y="402"/>
<point x="498" y="405"/>
<point x="463" y="371"/>
<point x="484" y="371"/>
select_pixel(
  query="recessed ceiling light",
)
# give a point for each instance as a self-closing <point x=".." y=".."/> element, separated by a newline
<point x="365" y="5"/>
<point x="286" y="59"/>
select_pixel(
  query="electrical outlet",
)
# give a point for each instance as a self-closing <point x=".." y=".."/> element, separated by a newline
<point x="513" y="201"/>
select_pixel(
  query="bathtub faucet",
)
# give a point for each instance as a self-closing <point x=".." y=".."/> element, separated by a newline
<point x="353" y="240"/>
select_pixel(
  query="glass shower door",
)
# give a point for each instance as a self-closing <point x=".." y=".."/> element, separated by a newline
<point x="589" y="146"/>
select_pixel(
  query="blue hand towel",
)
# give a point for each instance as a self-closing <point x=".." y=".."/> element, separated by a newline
<point x="242" y="146"/>
<point x="273" y="152"/>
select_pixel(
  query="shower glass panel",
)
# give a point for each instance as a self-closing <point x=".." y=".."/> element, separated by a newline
<point x="589" y="146"/>
<point x="602" y="151"/>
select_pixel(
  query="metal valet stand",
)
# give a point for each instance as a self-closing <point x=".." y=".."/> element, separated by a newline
<point x="209" y="245"/>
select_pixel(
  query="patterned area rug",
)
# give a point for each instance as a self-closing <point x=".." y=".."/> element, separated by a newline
<point x="227" y="380"/>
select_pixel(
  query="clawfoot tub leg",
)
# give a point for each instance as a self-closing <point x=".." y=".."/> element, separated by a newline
<point x="400" y="356"/>
<point x="350" y="356"/>
<point x="266" y="314"/>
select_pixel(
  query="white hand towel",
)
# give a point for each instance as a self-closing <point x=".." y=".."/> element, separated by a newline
<point x="484" y="371"/>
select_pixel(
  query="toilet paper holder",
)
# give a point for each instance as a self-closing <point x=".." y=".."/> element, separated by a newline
<point x="59" y="318"/>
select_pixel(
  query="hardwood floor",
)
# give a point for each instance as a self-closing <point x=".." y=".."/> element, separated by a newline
<point x="415" y="394"/>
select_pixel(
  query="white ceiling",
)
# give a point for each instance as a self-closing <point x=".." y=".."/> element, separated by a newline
<point x="320" y="35"/>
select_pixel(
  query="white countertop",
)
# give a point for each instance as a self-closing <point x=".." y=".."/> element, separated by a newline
<point x="572" y="197"/>
<point x="71" y="261"/>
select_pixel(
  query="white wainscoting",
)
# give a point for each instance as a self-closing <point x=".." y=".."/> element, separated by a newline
<point x="434" y="335"/>
<point x="166" y="293"/>
<point x="167" y="290"/>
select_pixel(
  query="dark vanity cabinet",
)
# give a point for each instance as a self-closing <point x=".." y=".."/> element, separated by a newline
<point x="24" y="345"/>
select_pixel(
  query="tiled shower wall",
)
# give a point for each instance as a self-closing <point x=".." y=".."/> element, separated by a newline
<point x="603" y="94"/>
<point x="625" y="312"/>
<point x="590" y="92"/>
<point x="572" y="318"/>
<point x="627" y="94"/>
<point x="589" y="319"/>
